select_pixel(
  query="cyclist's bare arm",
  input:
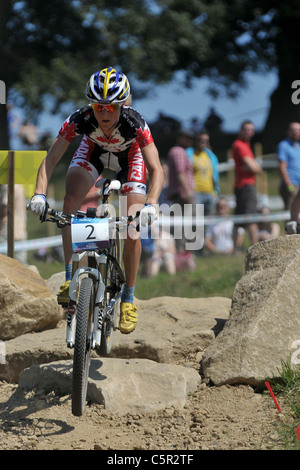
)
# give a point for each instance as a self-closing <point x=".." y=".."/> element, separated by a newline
<point x="49" y="163"/>
<point x="151" y="158"/>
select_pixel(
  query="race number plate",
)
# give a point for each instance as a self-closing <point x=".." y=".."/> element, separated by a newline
<point x="89" y="234"/>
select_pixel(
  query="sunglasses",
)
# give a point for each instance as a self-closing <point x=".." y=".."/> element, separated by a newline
<point x="107" y="107"/>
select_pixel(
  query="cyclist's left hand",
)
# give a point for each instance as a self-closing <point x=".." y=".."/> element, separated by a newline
<point x="148" y="215"/>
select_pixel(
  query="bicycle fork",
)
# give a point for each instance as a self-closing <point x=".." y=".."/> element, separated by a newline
<point x="98" y="302"/>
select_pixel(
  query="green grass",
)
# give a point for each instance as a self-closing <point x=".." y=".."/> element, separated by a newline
<point x="214" y="276"/>
<point x="46" y="269"/>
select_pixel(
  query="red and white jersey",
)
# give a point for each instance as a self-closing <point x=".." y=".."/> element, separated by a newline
<point x="121" y="151"/>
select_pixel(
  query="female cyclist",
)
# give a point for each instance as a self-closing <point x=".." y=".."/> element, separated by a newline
<point x="114" y="136"/>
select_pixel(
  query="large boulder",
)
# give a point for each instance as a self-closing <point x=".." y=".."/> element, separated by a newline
<point x="264" y="323"/>
<point x="173" y="329"/>
<point x="169" y="330"/>
<point x="26" y="303"/>
<point x="33" y="348"/>
<point x="121" y="385"/>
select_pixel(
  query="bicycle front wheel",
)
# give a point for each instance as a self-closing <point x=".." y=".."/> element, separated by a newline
<point x="82" y="347"/>
<point x="113" y="282"/>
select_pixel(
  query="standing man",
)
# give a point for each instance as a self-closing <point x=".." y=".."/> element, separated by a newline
<point x="206" y="172"/>
<point x="181" y="176"/>
<point x="115" y="136"/>
<point x="288" y="155"/>
<point x="246" y="169"/>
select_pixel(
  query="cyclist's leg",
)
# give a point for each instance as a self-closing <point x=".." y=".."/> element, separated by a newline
<point x="80" y="178"/>
<point x="132" y="243"/>
<point x="133" y="179"/>
<point x="131" y="259"/>
<point x="83" y="171"/>
<point x="133" y="191"/>
<point x="78" y="184"/>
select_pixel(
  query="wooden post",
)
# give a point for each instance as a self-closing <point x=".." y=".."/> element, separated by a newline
<point x="11" y="205"/>
<point x="230" y="172"/>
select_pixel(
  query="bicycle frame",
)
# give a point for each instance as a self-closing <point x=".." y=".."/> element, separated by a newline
<point x="99" y="297"/>
<point x="94" y="289"/>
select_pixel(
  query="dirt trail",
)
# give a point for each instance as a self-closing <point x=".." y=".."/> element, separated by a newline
<point x="214" y="418"/>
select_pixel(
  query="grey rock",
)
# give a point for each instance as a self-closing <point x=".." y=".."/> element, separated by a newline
<point x="121" y="385"/>
<point x="264" y="321"/>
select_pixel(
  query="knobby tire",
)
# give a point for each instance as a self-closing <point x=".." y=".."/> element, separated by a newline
<point x="82" y="348"/>
<point x="112" y="281"/>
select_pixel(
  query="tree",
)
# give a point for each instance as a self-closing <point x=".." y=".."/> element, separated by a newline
<point x="50" y="48"/>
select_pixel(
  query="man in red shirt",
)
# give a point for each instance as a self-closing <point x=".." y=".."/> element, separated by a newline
<point x="246" y="168"/>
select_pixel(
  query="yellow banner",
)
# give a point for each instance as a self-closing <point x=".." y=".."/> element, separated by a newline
<point x="27" y="163"/>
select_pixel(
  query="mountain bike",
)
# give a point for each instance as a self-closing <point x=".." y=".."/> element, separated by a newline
<point x="96" y="287"/>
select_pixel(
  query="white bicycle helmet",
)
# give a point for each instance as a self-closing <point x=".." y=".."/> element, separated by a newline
<point x="108" y="86"/>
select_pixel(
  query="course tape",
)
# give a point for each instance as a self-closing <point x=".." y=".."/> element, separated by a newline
<point x="28" y="245"/>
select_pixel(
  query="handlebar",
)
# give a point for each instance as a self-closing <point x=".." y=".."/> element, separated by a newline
<point x="63" y="218"/>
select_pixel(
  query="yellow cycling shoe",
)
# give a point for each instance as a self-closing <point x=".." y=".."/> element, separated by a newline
<point x="63" y="293"/>
<point x="128" y="317"/>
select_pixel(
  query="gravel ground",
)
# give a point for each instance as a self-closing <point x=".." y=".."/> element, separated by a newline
<point x="214" y="418"/>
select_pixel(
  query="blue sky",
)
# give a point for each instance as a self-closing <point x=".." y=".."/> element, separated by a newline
<point x="252" y="103"/>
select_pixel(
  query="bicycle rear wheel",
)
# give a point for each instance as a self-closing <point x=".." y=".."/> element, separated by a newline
<point x="82" y="347"/>
<point x="113" y="282"/>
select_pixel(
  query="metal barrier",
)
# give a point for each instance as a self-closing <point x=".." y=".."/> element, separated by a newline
<point x="47" y="242"/>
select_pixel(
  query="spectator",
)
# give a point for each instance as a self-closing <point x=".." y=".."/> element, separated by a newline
<point x="219" y="235"/>
<point x="288" y="154"/>
<point x="164" y="252"/>
<point x="206" y="172"/>
<point x="12" y="120"/>
<point x="246" y="168"/>
<point x="158" y="251"/>
<point x="28" y="134"/>
<point x="267" y="230"/>
<point x="213" y="121"/>
<point x="45" y="141"/>
<point x="184" y="260"/>
<point x="20" y="218"/>
<point x="181" y="177"/>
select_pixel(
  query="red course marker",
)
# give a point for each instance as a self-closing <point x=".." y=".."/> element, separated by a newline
<point x="273" y="396"/>
<point x="297" y="432"/>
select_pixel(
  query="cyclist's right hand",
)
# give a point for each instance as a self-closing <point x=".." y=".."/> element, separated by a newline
<point x="38" y="204"/>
